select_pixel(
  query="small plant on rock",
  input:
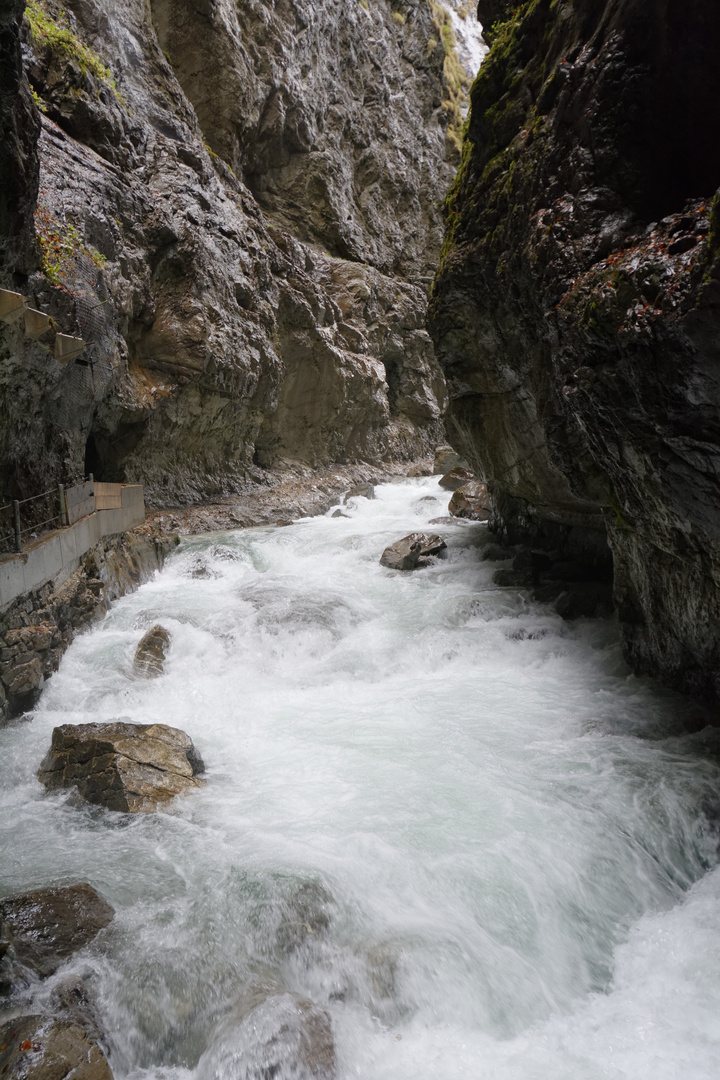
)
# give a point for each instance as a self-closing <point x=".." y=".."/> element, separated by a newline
<point x="55" y="34"/>
<point x="62" y="248"/>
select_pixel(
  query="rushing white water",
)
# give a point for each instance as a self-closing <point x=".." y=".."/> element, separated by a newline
<point x="508" y="825"/>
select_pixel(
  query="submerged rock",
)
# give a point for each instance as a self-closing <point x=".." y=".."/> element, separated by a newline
<point x="412" y="551"/>
<point x="272" y="1033"/>
<point x="151" y="652"/>
<point x="122" y="766"/>
<point x="363" y="491"/>
<point x="456" y="478"/>
<point x="41" y="929"/>
<point x="50" y="1048"/>
<point x="471" y="501"/>
<point x="304" y="915"/>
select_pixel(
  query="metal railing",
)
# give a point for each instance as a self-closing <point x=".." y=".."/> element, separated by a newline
<point x="29" y="518"/>
<point x="23" y="519"/>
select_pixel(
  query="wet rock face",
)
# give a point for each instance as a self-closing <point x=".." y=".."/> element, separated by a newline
<point x="41" y="929"/>
<point x="219" y="344"/>
<point x="299" y="103"/>
<point x="577" y="307"/>
<point x="48" y="1048"/>
<point x="127" y="767"/>
<point x="455" y="478"/>
<point x="470" y="501"/>
<point x="412" y="552"/>
<point x="151" y="650"/>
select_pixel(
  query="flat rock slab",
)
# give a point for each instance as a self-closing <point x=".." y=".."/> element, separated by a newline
<point x="471" y="501"/>
<point x="412" y="551"/>
<point x="41" y="929"/>
<point x="50" y="1048"/>
<point x="151" y="651"/>
<point x="121" y="766"/>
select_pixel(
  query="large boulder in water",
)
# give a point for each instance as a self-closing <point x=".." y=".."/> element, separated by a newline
<point x="471" y="501"/>
<point x="412" y="551"/>
<point x="455" y="478"/>
<point x="151" y="651"/>
<point x="122" y="766"/>
<point x="272" y="1033"/>
<point x="41" y="929"/>
<point x="50" y="1048"/>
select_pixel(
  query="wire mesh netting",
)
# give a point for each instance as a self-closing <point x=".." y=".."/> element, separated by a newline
<point x="85" y="379"/>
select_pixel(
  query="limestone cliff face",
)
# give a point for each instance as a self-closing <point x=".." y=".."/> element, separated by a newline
<point x="227" y="334"/>
<point x="332" y="114"/>
<point x="576" y="311"/>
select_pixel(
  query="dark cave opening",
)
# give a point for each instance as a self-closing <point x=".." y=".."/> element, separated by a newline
<point x="94" y="463"/>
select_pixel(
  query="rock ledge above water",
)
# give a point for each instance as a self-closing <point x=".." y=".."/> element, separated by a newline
<point x="122" y="766"/>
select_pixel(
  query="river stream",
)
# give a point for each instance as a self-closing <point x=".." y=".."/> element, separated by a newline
<point x="492" y="837"/>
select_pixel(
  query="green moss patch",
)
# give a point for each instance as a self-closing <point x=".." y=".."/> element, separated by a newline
<point x="53" y="32"/>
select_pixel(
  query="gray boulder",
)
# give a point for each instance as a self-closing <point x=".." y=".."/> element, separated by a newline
<point x="122" y="766"/>
<point x="41" y="929"/>
<point x="412" y="551"/>
<point x="471" y="501"/>
<point x="152" y="649"/>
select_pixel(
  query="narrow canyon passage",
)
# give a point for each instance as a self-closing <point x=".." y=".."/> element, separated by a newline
<point x="452" y="821"/>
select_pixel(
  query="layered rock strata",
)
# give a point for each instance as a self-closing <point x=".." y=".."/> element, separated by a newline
<point x="576" y="311"/>
<point x="240" y="227"/>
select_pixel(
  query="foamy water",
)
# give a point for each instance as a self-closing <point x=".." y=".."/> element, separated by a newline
<point x="503" y="828"/>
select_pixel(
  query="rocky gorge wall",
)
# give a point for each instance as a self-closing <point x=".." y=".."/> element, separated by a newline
<point x="242" y="227"/>
<point x="576" y="310"/>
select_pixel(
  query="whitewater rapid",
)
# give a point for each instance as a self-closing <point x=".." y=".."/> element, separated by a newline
<point x="509" y="832"/>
